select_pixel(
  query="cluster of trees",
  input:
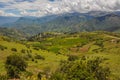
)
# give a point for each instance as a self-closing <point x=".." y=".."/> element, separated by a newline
<point x="82" y="70"/>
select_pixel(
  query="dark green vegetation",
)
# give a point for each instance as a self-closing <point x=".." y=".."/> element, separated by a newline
<point x="14" y="65"/>
<point x="61" y="56"/>
<point x="81" y="70"/>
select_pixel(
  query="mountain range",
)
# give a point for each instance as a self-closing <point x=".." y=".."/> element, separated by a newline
<point x="7" y="19"/>
<point x="69" y="22"/>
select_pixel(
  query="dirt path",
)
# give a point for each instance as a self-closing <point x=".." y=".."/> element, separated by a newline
<point x="111" y="36"/>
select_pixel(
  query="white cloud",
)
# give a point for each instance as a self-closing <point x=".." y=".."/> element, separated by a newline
<point x="45" y="7"/>
<point x="2" y="13"/>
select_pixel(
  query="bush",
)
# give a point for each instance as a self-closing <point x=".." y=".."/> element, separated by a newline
<point x="14" y="49"/>
<point x="40" y="74"/>
<point x="14" y="65"/>
<point x="23" y="51"/>
<point x="73" y="57"/>
<point x="39" y="57"/>
<point x="35" y="48"/>
<point x="2" y="47"/>
<point x="33" y="59"/>
<point x="81" y="70"/>
<point x="29" y="55"/>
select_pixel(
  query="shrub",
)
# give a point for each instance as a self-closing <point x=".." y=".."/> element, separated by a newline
<point x="40" y="74"/>
<point x="72" y="57"/>
<point x="36" y="61"/>
<point x="81" y="70"/>
<point x="29" y="55"/>
<point x="35" y="48"/>
<point x="2" y="47"/>
<point x="14" y="49"/>
<point x="23" y="51"/>
<point x="39" y="57"/>
<point x="33" y="59"/>
<point x="14" y="65"/>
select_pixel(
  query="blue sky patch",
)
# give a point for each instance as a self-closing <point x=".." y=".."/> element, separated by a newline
<point x="2" y="5"/>
<point x="14" y="11"/>
<point x="31" y="10"/>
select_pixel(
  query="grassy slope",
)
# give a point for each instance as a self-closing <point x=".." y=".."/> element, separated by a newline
<point x="111" y="49"/>
<point x="56" y="48"/>
<point x="51" y="59"/>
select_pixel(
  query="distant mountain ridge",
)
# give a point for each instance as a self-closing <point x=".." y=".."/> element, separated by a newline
<point x="57" y="23"/>
<point x="109" y="22"/>
<point x="70" y="22"/>
<point x="5" y="20"/>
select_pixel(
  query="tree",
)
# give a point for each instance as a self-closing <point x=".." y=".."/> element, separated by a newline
<point x="14" y="65"/>
<point x="81" y="70"/>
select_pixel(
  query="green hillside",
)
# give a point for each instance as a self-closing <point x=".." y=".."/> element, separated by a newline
<point x="44" y="52"/>
<point x="12" y="33"/>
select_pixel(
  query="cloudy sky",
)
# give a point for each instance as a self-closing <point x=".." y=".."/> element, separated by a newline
<point x="47" y="7"/>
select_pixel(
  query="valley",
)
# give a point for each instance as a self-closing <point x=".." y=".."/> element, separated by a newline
<point x="59" y="39"/>
<point x="45" y="51"/>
